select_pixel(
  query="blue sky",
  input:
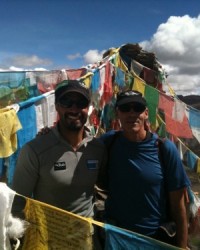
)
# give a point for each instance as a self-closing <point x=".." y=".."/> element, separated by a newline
<point x="60" y="34"/>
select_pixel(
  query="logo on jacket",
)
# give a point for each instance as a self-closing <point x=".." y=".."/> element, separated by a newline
<point x="92" y="164"/>
<point x="59" y="165"/>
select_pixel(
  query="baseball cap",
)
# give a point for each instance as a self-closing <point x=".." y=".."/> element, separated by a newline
<point x="68" y="86"/>
<point x="130" y="96"/>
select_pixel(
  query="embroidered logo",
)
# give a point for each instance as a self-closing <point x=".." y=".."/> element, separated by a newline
<point x="92" y="164"/>
<point x="59" y="166"/>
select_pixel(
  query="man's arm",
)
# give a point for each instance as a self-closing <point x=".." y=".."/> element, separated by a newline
<point x="179" y="215"/>
<point x="25" y="177"/>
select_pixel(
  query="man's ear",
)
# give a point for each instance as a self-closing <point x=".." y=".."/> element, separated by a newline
<point x="147" y="125"/>
<point x="146" y="113"/>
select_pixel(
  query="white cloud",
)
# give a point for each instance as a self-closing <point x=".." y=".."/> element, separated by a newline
<point x="13" y="68"/>
<point x="22" y="61"/>
<point x="74" y="56"/>
<point x="185" y="84"/>
<point x="93" y="56"/>
<point x="176" y="44"/>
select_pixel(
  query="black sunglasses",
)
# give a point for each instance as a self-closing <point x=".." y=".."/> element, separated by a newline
<point x="136" y="107"/>
<point x="68" y="103"/>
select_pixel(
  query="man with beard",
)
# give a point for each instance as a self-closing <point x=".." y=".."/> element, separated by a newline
<point x="61" y="167"/>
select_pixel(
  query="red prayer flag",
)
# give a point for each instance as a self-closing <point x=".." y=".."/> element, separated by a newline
<point x="166" y="104"/>
<point x="179" y="129"/>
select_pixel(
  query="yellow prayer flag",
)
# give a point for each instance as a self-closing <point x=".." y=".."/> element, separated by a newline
<point x="120" y="63"/>
<point x="9" y="125"/>
<point x="54" y="228"/>
<point x="87" y="79"/>
<point x="139" y="85"/>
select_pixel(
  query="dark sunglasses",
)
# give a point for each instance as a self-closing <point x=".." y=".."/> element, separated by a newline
<point x="68" y="103"/>
<point x="136" y="107"/>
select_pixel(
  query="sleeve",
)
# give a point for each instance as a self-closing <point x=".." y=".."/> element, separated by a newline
<point x="176" y="177"/>
<point x="25" y="176"/>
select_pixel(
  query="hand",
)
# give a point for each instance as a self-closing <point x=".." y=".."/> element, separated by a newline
<point x="44" y="131"/>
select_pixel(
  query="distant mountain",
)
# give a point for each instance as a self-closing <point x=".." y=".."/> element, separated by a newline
<point x="191" y="100"/>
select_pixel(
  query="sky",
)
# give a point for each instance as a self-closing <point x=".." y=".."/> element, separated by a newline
<point x="69" y="34"/>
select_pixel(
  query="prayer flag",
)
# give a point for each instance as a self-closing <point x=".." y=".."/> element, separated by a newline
<point x="179" y="129"/>
<point x="166" y="103"/>
<point x="139" y="85"/>
<point x="119" y="239"/>
<point x="152" y="98"/>
<point x="54" y="228"/>
<point x="120" y="77"/>
<point x="9" y="125"/>
<point x="191" y="159"/>
<point x="194" y="121"/>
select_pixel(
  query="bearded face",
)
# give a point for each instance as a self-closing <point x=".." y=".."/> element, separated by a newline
<point x="73" y="111"/>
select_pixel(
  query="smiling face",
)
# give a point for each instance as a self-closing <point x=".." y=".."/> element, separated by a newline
<point x="132" y="119"/>
<point x="73" y="111"/>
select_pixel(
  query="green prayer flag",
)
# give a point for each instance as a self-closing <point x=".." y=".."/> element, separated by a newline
<point x="152" y="97"/>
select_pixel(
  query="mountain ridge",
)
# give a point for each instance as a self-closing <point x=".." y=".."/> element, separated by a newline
<point x="191" y="100"/>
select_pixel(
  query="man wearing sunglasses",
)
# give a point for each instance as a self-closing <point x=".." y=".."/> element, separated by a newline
<point x="60" y="168"/>
<point x="137" y="184"/>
